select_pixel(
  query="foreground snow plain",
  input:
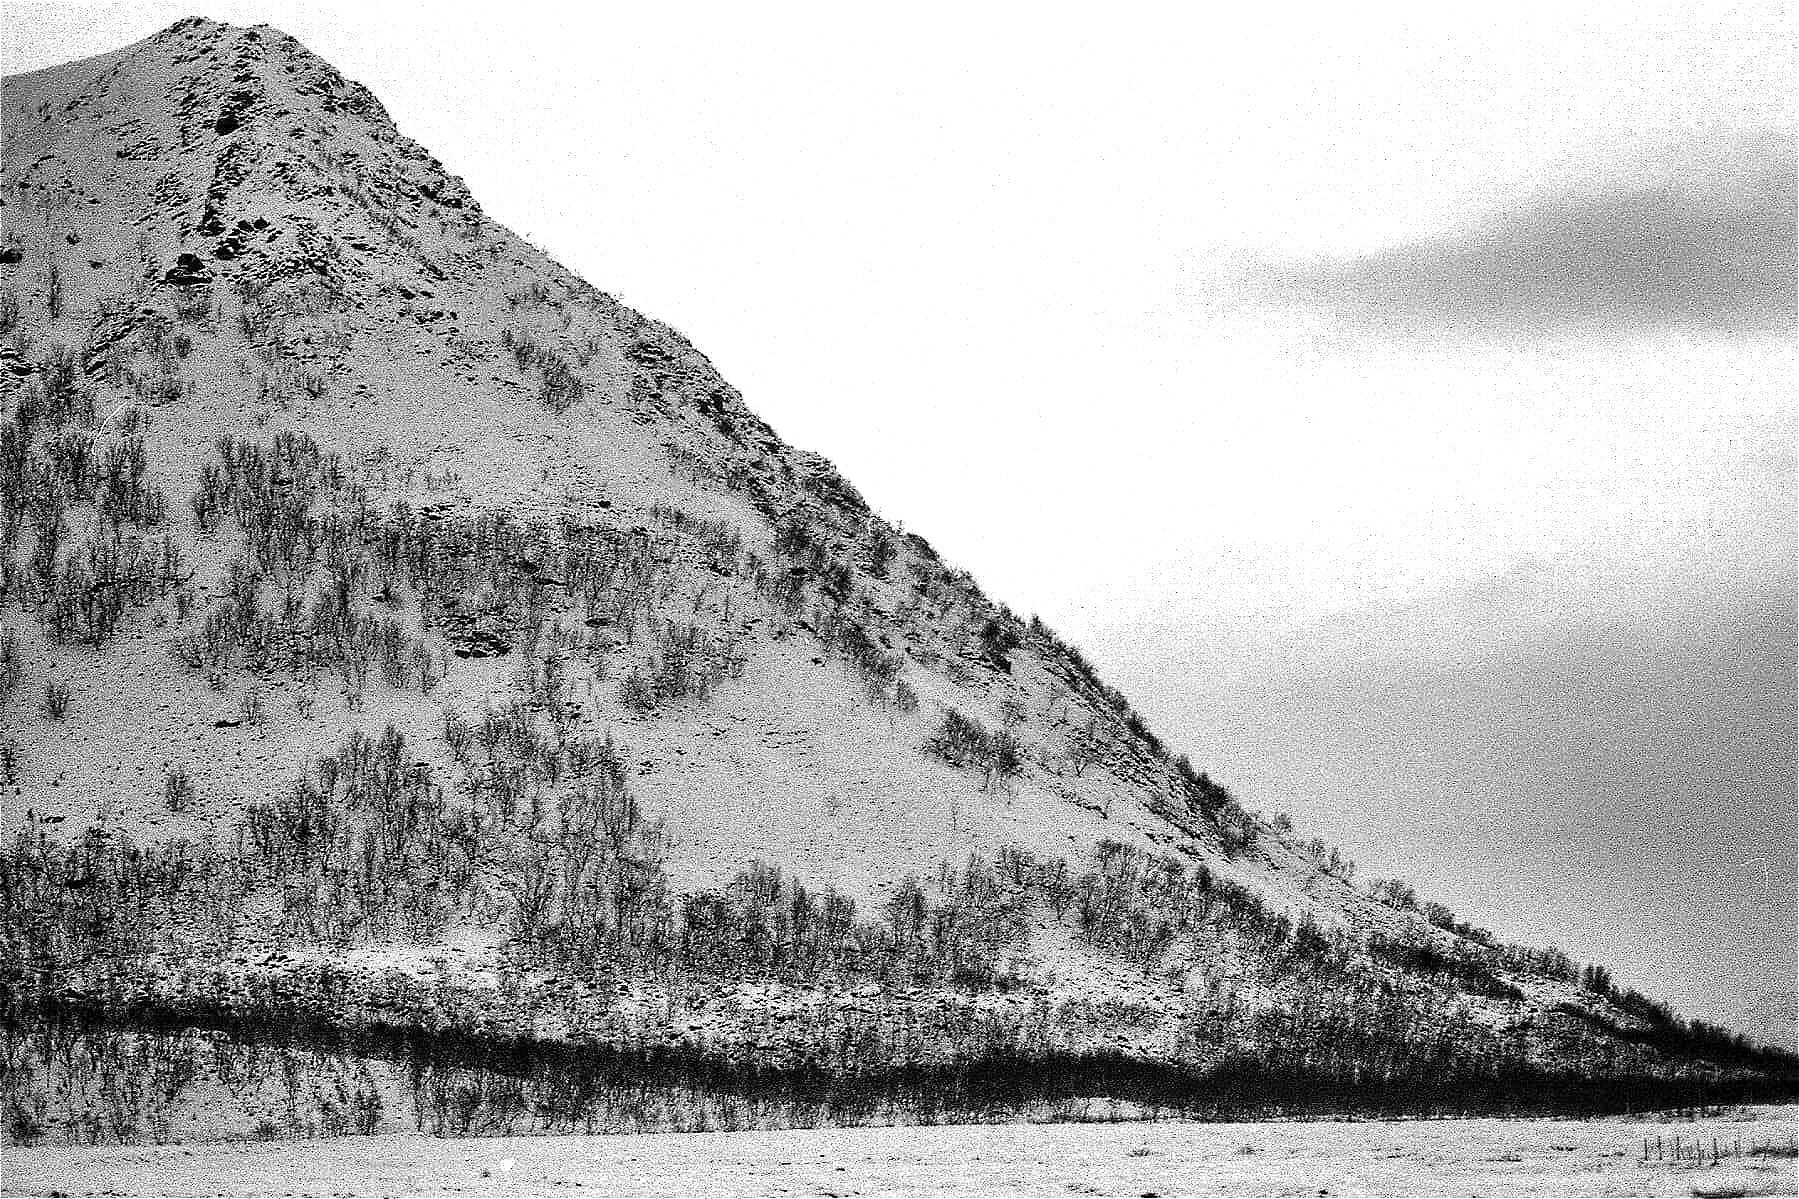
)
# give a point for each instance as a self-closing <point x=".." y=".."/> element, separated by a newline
<point x="1439" y="1157"/>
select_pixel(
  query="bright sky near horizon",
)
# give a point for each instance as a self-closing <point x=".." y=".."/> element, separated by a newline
<point x="1396" y="403"/>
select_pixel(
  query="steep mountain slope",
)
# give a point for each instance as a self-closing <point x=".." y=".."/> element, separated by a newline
<point x="383" y="301"/>
<point x="398" y="628"/>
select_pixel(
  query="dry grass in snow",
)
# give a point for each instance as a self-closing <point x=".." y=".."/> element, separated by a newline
<point x="1443" y="1157"/>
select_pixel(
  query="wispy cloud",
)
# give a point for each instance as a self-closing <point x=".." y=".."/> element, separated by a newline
<point x="1704" y="243"/>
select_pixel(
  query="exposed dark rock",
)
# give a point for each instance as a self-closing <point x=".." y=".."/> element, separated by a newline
<point x="234" y="243"/>
<point x="231" y="116"/>
<point x="188" y="269"/>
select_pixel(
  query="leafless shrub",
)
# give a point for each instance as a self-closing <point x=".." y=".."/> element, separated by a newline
<point x="177" y="788"/>
<point x="10" y="665"/>
<point x="252" y="709"/>
<point x="53" y="299"/>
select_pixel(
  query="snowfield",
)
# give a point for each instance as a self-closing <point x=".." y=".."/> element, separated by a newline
<point x="1442" y="1157"/>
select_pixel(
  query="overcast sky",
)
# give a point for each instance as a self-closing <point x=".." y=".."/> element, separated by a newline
<point x="1397" y="405"/>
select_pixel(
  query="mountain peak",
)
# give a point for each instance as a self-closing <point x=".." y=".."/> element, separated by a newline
<point x="237" y="135"/>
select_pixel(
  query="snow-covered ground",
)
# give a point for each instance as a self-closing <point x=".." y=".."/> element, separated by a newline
<point x="1444" y="1157"/>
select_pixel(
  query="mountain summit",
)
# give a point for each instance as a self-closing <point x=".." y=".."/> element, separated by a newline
<point x="412" y="654"/>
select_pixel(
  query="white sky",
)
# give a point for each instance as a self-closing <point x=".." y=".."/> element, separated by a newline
<point x="980" y="256"/>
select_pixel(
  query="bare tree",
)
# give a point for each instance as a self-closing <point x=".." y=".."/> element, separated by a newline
<point x="1086" y="745"/>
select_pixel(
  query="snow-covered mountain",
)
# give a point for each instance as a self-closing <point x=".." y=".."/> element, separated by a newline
<point x="399" y="631"/>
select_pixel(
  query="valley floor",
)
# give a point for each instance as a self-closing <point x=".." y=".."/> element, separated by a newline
<point x="1447" y="1157"/>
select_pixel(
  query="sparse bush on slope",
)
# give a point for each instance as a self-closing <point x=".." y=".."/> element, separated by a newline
<point x="559" y="385"/>
<point x="963" y="741"/>
<point x="177" y="788"/>
<point x="11" y="665"/>
<point x="54" y="463"/>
